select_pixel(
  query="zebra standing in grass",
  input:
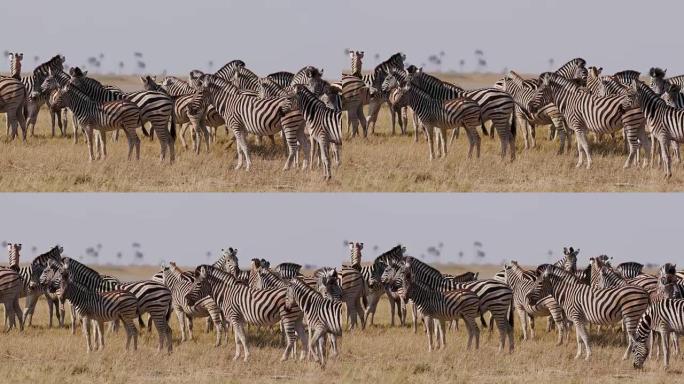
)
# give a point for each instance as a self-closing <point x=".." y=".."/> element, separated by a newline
<point x="433" y="304"/>
<point x="322" y="315"/>
<point x="10" y="291"/>
<point x="375" y="289"/>
<point x="324" y="126"/>
<point x="180" y="283"/>
<point x="436" y="113"/>
<point x="30" y="293"/>
<point x="374" y="82"/>
<point x="587" y="305"/>
<point x="99" y="307"/>
<point x="495" y="297"/>
<point x="522" y="282"/>
<point x="247" y="114"/>
<point x="664" y="316"/>
<point x="495" y="105"/>
<point x="585" y="112"/>
<point x="153" y="297"/>
<point x="241" y="304"/>
<point x="12" y="102"/>
<point x="353" y="294"/>
<point x="101" y="116"/>
<point x="155" y="108"/>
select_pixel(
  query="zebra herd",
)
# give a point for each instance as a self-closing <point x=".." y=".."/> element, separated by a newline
<point x="308" y="308"/>
<point x="307" y="110"/>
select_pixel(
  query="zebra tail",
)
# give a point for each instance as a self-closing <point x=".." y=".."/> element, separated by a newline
<point x="141" y="322"/>
<point x="511" y="316"/>
<point x="482" y="320"/>
<point x="514" y="126"/>
<point x="484" y="129"/>
<point x="173" y="127"/>
<point x="168" y="312"/>
<point x="142" y="125"/>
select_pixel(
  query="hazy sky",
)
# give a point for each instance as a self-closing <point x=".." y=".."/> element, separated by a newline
<point x="311" y="228"/>
<point x="272" y="35"/>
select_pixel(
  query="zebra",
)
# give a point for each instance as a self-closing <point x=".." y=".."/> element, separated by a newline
<point x="324" y="126"/>
<point x="353" y="292"/>
<point x="248" y="114"/>
<point x="174" y="86"/>
<point x="282" y="78"/>
<point x="435" y="113"/>
<point x="288" y="270"/>
<point x="30" y="293"/>
<point x="155" y="108"/>
<point x="496" y="105"/>
<point x="441" y="306"/>
<point x="375" y="288"/>
<point x="180" y="283"/>
<point x="322" y="315"/>
<point x="495" y="297"/>
<point x="662" y="316"/>
<point x="12" y="102"/>
<point x="587" y="305"/>
<point x="374" y="82"/>
<point x="10" y="291"/>
<point x="228" y="262"/>
<point x="153" y="297"/>
<point x="99" y="307"/>
<point x="522" y="282"/>
<point x="228" y="71"/>
<point x="101" y="116"/>
<point x="241" y="304"/>
<point x="629" y="269"/>
<point x="583" y="112"/>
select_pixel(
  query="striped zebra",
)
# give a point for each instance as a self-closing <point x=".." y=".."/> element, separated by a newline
<point x="10" y="291"/>
<point x="375" y="288"/>
<point x="444" y="114"/>
<point x="374" y="82"/>
<point x="241" y="304"/>
<point x="282" y="78"/>
<point x="101" y="116"/>
<point x="248" y="114"/>
<point x="228" y="262"/>
<point x="288" y="270"/>
<point x="174" y="86"/>
<point x="629" y="269"/>
<point x="323" y="316"/>
<point x="155" y="108"/>
<point x="522" y="282"/>
<point x="324" y="126"/>
<point x="12" y="102"/>
<point x="587" y="305"/>
<point x="180" y="283"/>
<point x="584" y="112"/>
<point x="153" y="297"/>
<point x="98" y="307"/>
<point x="435" y="306"/>
<point x="495" y="297"/>
<point x="664" y="316"/>
<point x="353" y="295"/>
<point x="31" y="294"/>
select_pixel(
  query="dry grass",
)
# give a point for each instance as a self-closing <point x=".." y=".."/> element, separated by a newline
<point x="380" y="163"/>
<point x="378" y="354"/>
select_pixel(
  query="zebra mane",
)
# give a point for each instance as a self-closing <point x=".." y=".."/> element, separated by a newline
<point x="87" y="271"/>
<point x="218" y="274"/>
<point x="284" y="76"/>
<point x="394" y="255"/>
<point x="627" y="75"/>
<point x="394" y="61"/>
<point x="577" y="62"/>
<point x="414" y="264"/>
<point x="308" y="96"/>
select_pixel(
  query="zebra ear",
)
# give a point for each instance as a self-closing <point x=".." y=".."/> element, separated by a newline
<point x="351" y="54"/>
<point x="143" y="79"/>
<point x="360" y="245"/>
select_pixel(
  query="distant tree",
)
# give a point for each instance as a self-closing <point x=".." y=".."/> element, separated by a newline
<point x="121" y="66"/>
<point x="210" y="66"/>
<point x="375" y="248"/>
<point x="208" y="254"/>
<point x="6" y="53"/>
<point x="460" y="254"/>
<point x="552" y="63"/>
<point x="346" y="52"/>
<point x="139" y="255"/>
<point x="461" y="65"/>
<point x="141" y="65"/>
<point x="36" y="59"/>
<point x="479" y="58"/>
<point x="4" y="244"/>
<point x="138" y="55"/>
<point x="119" y="255"/>
<point x="99" y="246"/>
<point x="135" y="245"/>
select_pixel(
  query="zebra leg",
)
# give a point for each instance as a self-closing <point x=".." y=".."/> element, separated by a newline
<point x="31" y="301"/>
<point x="131" y="333"/>
<point x="240" y="332"/>
<point x="428" y="128"/>
<point x="523" y="321"/>
<point x="323" y="146"/>
<point x="531" y="320"/>
<point x="18" y="312"/>
<point x="428" y="329"/>
<point x="181" y="322"/>
<point x="86" y="332"/>
<point x="183" y="130"/>
<point x="442" y="136"/>
<point x="665" y="154"/>
<point x="582" y="338"/>
<point x="103" y="145"/>
<point x="665" y="342"/>
<point x="133" y="142"/>
<point x="362" y="120"/>
<point x="414" y="314"/>
<point x="454" y="135"/>
<point x="99" y="334"/>
<point x="416" y="125"/>
<point x="241" y="148"/>
<point x="646" y="143"/>
<point x="191" y="335"/>
<point x="392" y="303"/>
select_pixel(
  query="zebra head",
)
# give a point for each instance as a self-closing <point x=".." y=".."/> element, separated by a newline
<point x="197" y="79"/>
<point x="150" y="83"/>
<point x="230" y="259"/>
<point x="543" y="96"/>
<point x="657" y="80"/>
<point x="329" y="284"/>
<point x="255" y="264"/>
<point x="548" y="276"/>
<point x="51" y="83"/>
<point x="670" y="94"/>
<point x="355" y="248"/>
<point x="200" y="287"/>
<point x="570" y="260"/>
<point x="50" y="275"/>
<point x="264" y="264"/>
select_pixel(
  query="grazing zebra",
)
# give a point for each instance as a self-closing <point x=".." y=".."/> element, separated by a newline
<point x="496" y="105"/>
<point x="180" y="283"/>
<point x="436" y="113"/>
<point x="248" y="114"/>
<point x="241" y="304"/>
<point x="664" y="316"/>
<point x="586" y="112"/>
<point x="522" y="282"/>
<point x="30" y="293"/>
<point x="322" y="315"/>
<point x="433" y="304"/>
<point x="324" y="126"/>
<point x="101" y="116"/>
<point x="10" y="290"/>
<point x="155" y="108"/>
<point x="153" y="297"/>
<point x="98" y="307"/>
<point x="495" y="297"/>
<point x="587" y="305"/>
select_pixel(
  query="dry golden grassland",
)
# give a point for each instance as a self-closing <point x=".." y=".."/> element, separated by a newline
<point x="379" y="354"/>
<point x="380" y="163"/>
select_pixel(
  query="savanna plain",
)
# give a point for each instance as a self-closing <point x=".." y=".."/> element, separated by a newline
<point x="378" y="354"/>
<point x="381" y="162"/>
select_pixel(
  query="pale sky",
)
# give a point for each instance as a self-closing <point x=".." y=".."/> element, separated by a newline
<point x="273" y="35"/>
<point x="311" y="228"/>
